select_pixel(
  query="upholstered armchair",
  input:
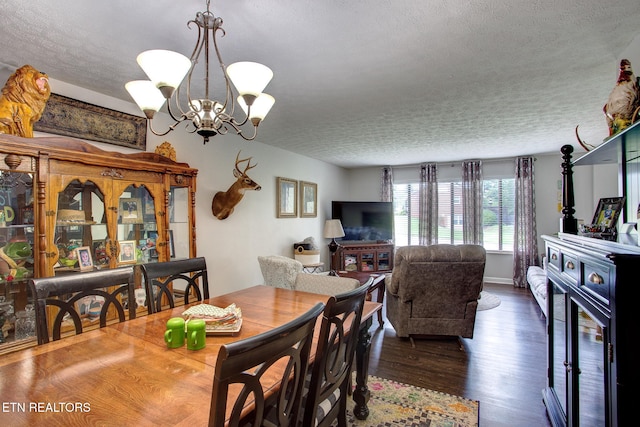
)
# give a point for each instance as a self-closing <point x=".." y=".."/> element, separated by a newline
<point x="433" y="290"/>
<point x="283" y="272"/>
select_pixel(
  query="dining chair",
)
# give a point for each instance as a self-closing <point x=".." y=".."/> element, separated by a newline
<point x="328" y="386"/>
<point x="249" y="365"/>
<point x="80" y="297"/>
<point x="174" y="280"/>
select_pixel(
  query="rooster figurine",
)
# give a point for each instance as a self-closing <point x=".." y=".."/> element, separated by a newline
<point x="621" y="110"/>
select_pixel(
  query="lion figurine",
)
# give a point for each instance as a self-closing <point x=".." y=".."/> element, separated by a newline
<point x="23" y="100"/>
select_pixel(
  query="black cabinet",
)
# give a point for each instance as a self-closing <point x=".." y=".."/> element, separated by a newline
<point x="593" y="294"/>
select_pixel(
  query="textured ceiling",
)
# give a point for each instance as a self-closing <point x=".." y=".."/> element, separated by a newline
<point x="360" y="83"/>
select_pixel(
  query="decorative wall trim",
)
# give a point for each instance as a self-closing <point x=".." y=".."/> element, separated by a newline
<point x="77" y="119"/>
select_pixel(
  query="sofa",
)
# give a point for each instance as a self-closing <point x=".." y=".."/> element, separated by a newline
<point x="434" y="290"/>
<point x="537" y="280"/>
<point x="283" y="272"/>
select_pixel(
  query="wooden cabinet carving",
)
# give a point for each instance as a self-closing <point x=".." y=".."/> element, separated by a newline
<point x="59" y="194"/>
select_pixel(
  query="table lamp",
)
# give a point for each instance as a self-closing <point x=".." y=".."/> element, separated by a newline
<point x="333" y="229"/>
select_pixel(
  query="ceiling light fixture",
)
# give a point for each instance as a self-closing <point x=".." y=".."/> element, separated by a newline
<point x="166" y="71"/>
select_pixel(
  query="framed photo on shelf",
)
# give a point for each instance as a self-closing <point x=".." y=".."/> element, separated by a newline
<point x="607" y="212"/>
<point x="127" y="253"/>
<point x="287" y="198"/>
<point x="131" y="211"/>
<point x="85" y="261"/>
<point x="308" y="199"/>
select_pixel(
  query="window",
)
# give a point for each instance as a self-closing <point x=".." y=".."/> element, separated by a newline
<point x="498" y="213"/>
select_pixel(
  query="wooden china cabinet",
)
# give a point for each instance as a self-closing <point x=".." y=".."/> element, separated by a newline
<point x="59" y="194"/>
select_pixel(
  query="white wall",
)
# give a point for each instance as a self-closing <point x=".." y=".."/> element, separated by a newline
<point x="231" y="246"/>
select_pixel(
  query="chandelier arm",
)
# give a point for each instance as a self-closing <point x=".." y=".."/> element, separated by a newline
<point x="172" y="127"/>
<point x="236" y="127"/>
<point x="229" y="95"/>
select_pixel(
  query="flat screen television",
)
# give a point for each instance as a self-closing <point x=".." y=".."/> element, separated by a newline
<point x="364" y="221"/>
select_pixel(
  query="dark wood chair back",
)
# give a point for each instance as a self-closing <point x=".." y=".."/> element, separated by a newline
<point x="326" y="398"/>
<point x="245" y="364"/>
<point x="162" y="278"/>
<point x="66" y="292"/>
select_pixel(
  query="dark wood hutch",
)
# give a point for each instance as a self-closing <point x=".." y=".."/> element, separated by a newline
<point x="592" y="291"/>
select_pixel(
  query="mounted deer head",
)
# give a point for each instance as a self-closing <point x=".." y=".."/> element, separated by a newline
<point x="224" y="201"/>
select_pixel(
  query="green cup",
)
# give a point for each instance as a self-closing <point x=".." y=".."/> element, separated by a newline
<point x="174" y="335"/>
<point x="196" y="334"/>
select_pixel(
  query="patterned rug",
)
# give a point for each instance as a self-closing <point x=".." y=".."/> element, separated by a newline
<point x="395" y="404"/>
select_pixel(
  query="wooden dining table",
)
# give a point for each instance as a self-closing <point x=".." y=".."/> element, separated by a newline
<point x="124" y="374"/>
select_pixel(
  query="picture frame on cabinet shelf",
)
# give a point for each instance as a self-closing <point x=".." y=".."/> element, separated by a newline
<point x="607" y="212"/>
<point x="85" y="260"/>
<point x="308" y="199"/>
<point x="127" y="253"/>
<point x="131" y="211"/>
<point x="287" y="198"/>
<point x="99" y="251"/>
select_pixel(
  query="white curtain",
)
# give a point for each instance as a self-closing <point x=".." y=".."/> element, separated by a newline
<point x="525" y="239"/>
<point x="428" y="211"/>
<point x="472" y="202"/>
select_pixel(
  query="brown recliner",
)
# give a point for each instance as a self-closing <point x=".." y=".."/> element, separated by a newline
<point x="434" y="290"/>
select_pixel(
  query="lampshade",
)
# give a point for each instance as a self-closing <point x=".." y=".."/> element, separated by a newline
<point x="146" y="95"/>
<point x="164" y="68"/>
<point x="259" y="108"/>
<point x="249" y="78"/>
<point x="333" y="229"/>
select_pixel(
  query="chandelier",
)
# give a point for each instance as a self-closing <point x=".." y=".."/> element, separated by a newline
<point x="167" y="70"/>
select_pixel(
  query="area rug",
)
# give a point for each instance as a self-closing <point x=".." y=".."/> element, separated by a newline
<point x="394" y="404"/>
<point x="487" y="301"/>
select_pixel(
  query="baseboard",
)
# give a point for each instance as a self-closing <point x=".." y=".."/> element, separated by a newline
<point x="498" y="280"/>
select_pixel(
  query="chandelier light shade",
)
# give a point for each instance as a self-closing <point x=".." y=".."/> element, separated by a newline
<point x="167" y="71"/>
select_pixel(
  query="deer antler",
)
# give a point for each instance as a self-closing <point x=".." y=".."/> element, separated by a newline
<point x="248" y="160"/>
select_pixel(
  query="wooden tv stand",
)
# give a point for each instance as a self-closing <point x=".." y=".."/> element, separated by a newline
<point x="368" y="257"/>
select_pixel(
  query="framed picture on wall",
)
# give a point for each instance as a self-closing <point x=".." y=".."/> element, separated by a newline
<point x="287" y="198"/>
<point x="308" y="199"/>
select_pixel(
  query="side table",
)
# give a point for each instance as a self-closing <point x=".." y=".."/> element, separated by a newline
<point x="377" y="287"/>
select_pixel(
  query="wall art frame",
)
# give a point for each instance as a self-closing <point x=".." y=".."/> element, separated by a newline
<point x="287" y="198"/>
<point x="77" y="119"/>
<point x="308" y="199"/>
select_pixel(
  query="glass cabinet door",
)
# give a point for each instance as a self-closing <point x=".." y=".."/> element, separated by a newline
<point x="137" y="229"/>
<point x="179" y="230"/>
<point x="559" y="347"/>
<point x="590" y="338"/>
<point x="81" y="232"/>
<point x="16" y="256"/>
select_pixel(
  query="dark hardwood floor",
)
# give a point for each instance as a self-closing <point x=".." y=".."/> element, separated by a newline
<point x="503" y="366"/>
